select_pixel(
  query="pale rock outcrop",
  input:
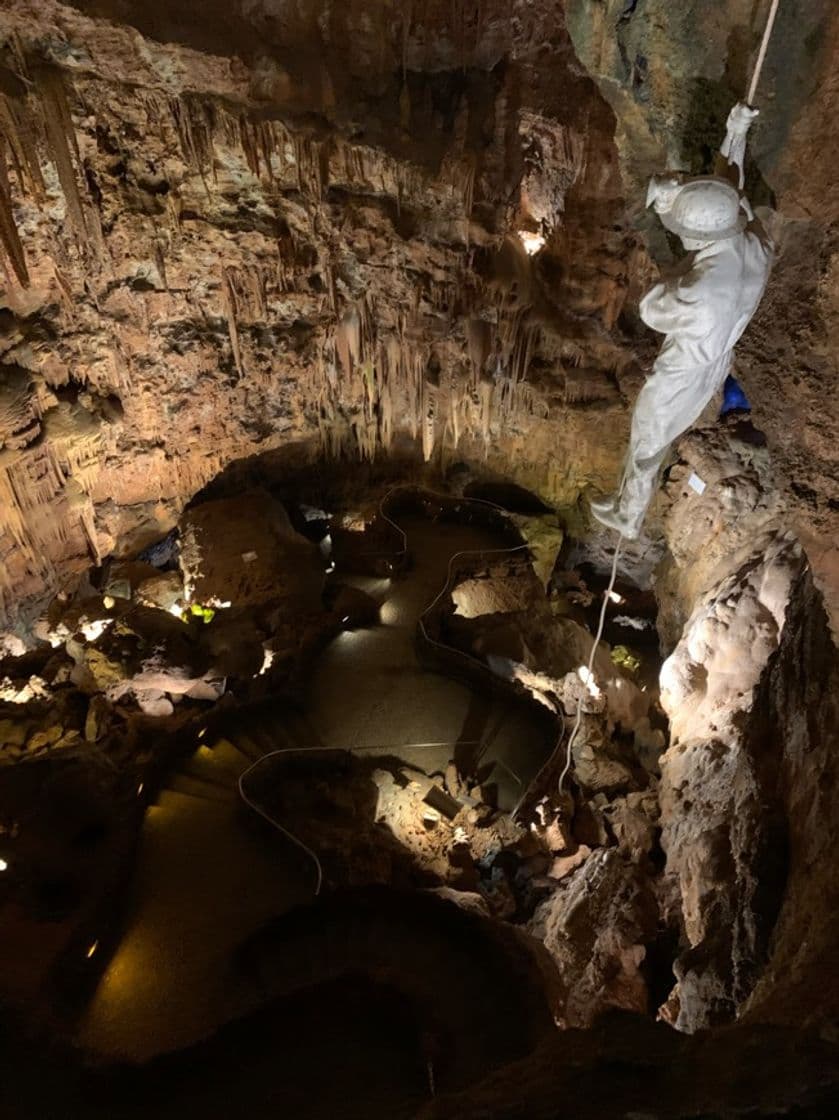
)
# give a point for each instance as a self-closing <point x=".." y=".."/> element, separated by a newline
<point x="717" y="828"/>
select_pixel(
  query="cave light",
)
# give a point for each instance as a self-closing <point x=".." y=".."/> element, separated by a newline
<point x="389" y="614"/>
<point x="532" y="242"/>
<point x="4" y="865"/>
<point x="109" y="602"/>
<point x="92" y="949"/>
<point x="267" y="662"/>
<point x="613" y="595"/>
<point x="588" y="680"/>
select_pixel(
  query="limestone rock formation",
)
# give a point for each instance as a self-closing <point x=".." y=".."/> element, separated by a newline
<point x="719" y="815"/>
<point x="227" y="262"/>
<point x="596" y="925"/>
<point x="257" y="255"/>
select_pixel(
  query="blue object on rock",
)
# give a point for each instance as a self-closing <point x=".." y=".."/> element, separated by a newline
<point x="733" y="397"/>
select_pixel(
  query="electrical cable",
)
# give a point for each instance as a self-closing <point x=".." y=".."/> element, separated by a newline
<point x="272" y="820"/>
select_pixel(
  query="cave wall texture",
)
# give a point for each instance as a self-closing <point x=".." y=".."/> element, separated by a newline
<point x="240" y="227"/>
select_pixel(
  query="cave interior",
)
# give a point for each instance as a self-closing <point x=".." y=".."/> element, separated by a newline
<point x="346" y="769"/>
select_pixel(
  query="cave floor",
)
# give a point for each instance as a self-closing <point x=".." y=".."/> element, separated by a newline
<point x="204" y="881"/>
<point x="369" y="690"/>
<point x="205" y="877"/>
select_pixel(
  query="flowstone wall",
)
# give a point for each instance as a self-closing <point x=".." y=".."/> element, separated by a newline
<point x="223" y="237"/>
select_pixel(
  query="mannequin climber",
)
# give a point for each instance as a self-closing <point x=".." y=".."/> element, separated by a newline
<point x="702" y="311"/>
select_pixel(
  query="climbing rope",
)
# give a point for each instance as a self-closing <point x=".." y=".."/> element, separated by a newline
<point x="590" y="668"/>
<point x="764" y="46"/>
<point x="578" y="719"/>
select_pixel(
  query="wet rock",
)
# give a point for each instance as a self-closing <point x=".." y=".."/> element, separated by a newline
<point x="130" y="574"/>
<point x="649" y="746"/>
<point x="551" y="661"/>
<point x="552" y="828"/>
<point x="499" y="591"/>
<point x="454" y="786"/>
<point x="595" y="767"/>
<point x="13" y="732"/>
<point x="233" y="644"/>
<point x="590" y="826"/>
<point x="544" y="536"/>
<point x="716" y="818"/>
<point x="153" y="702"/>
<point x="466" y="900"/>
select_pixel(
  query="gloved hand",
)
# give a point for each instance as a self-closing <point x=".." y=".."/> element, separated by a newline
<point x="662" y="192"/>
<point x="740" y="118"/>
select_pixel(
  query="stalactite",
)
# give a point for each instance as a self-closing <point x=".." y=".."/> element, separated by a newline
<point x="454" y="417"/>
<point x="479" y="343"/>
<point x="18" y="127"/>
<point x="228" y="301"/>
<point x="311" y="159"/>
<point x="348" y="341"/>
<point x="65" y="291"/>
<point x="386" y="417"/>
<point x="429" y="419"/>
<point x="61" y="136"/>
<point x="485" y="395"/>
<point x="87" y="521"/>
<point x="9" y="237"/>
<point x="194" y="127"/>
<point x="250" y="140"/>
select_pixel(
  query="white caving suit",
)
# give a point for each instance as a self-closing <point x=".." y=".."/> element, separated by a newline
<point x="703" y="311"/>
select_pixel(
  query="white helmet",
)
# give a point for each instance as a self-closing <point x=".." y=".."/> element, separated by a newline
<point x="705" y="209"/>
